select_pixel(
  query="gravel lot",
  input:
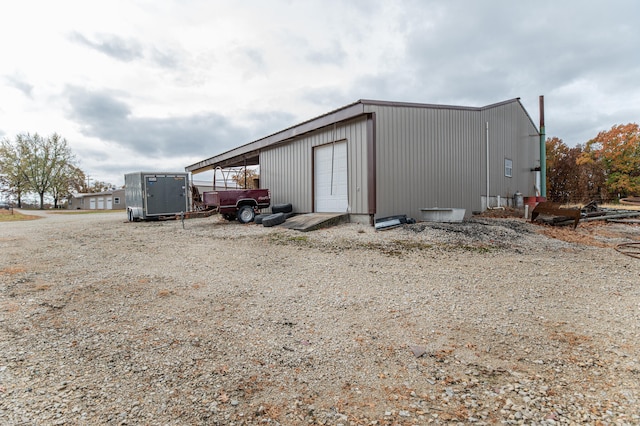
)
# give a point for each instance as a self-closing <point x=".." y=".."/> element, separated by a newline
<point x="160" y="323"/>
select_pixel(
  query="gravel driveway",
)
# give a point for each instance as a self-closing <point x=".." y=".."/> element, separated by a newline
<point x="210" y="322"/>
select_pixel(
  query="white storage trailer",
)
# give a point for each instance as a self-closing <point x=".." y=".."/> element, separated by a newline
<point x="152" y="195"/>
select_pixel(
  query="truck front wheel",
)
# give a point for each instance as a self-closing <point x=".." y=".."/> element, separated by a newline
<point x="245" y="214"/>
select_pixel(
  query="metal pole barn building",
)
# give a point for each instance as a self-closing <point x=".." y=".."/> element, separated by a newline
<point x="373" y="159"/>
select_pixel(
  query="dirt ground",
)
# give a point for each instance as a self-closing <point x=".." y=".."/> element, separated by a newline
<point x="493" y="320"/>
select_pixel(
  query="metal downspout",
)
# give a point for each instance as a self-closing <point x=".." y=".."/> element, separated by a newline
<point x="487" y="153"/>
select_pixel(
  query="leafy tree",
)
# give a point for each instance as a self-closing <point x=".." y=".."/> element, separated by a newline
<point x="617" y="151"/>
<point x="569" y="179"/>
<point x="44" y="161"/>
<point x="561" y="172"/>
<point x="246" y="175"/>
<point x="71" y="179"/>
<point x="592" y="185"/>
<point x="99" y="186"/>
<point x="12" y="169"/>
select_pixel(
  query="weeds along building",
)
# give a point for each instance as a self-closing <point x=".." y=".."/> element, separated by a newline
<point x="374" y="159"/>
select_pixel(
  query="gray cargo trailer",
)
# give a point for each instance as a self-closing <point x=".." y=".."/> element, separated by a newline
<point x="153" y="195"/>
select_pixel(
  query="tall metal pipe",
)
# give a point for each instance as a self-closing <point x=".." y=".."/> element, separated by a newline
<point x="543" y="152"/>
<point x="487" y="144"/>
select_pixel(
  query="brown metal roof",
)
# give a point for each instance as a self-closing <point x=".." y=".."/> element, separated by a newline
<point x="248" y="154"/>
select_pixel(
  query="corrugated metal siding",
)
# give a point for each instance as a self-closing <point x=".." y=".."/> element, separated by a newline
<point x="513" y="136"/>
<point x="436" y="157"/>
<point x="287" y="170"/>
<point x="425" y="158"/>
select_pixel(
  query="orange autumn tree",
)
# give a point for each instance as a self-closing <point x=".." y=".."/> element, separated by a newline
<point x="558" y="186"/>
<point x="617" y="151"/>
<point x="568" y="181"/>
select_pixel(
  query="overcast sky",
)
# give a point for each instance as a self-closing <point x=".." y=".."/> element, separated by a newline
<point x="139" y="85"/>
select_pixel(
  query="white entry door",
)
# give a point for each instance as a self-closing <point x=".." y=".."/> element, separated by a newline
<point x="330" y="178"/>
<point x="92" y="203"/>
<point x="109" y="203"/>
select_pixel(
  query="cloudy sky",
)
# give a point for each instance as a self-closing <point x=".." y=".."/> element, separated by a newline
<point x="160" y="84"/>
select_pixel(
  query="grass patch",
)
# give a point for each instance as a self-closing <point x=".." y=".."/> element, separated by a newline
<point x="15" y="216"/>
<point x="282" y="238"/>
<point x="611" y="206"/>
<point x="619" y="206"/>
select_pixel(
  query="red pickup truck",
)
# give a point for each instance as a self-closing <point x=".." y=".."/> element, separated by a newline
<point x="238" y="203"/>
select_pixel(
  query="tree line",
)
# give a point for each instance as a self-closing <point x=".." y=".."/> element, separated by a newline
<point x="604" y="169"/>
<point x="41" y="165"/>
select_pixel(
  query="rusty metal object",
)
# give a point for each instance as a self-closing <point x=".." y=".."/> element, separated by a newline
<point x="629" y="249"/>
<point x="560" y="214"/>
<point x="196" y="200"/>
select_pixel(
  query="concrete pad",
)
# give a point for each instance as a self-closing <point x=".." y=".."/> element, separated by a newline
<point x="312" y="221"/>
<point x="437" y="214"/>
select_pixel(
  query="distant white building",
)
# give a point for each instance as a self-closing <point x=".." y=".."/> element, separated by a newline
<point x="107" y="200"/>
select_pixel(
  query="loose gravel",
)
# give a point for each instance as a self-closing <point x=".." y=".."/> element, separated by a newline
<point x="207" y="322"/>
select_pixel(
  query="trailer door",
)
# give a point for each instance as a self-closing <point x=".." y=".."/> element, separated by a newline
<point x="166" y="194"/>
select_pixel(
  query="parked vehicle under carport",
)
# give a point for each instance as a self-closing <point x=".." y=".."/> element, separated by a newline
<point x="241" y="204"/>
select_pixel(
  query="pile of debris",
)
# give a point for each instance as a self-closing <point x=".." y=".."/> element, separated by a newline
<point x="554" y="214"/>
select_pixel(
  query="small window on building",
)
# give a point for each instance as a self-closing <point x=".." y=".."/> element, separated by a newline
<point x="508" y="167"/>
<point x="116" y="200"/>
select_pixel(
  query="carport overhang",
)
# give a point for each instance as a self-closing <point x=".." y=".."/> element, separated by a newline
<point x="249" y="154"/>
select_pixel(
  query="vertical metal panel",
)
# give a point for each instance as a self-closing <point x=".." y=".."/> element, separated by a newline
<point x="514" y="137"/>
<point x="287" y="169"/>
<point x="435" y="157"/>
<point x="425" y="158"/>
